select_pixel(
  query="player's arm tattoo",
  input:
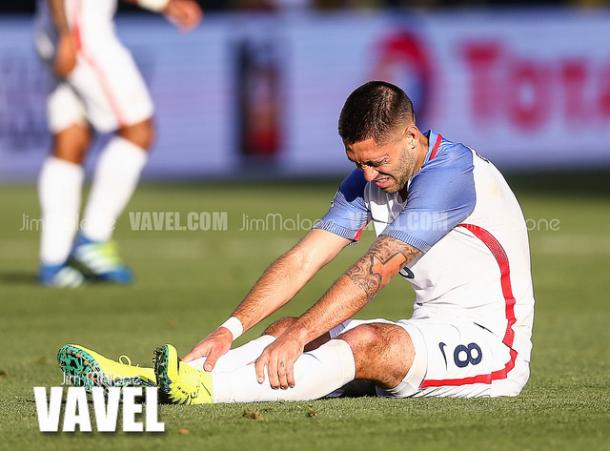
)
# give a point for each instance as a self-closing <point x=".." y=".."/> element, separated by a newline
<point x="383" y="260"/>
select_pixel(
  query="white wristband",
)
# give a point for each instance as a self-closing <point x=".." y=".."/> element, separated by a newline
<point x="235" y="327"/>
<point x="153" y="5"/>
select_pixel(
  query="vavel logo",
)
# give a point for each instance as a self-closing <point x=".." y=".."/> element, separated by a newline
<point x="105" y="407"/>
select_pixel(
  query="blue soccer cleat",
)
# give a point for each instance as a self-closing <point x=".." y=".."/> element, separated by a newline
<point x="101" y="259"/>
<point x="61" y="276"/>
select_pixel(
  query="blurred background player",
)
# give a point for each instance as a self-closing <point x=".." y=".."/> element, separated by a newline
<point x="96" y="85"/>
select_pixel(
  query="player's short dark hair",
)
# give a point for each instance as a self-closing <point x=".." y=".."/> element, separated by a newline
<point x="374" y="110"/>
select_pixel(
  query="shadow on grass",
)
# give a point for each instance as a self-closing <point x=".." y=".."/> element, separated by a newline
<point x="30" y="279"/>
<point x="18" y="278"/>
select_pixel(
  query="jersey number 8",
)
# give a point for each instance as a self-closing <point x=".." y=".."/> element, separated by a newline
<point x="465" y="355"/>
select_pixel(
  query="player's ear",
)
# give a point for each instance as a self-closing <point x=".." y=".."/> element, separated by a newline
<point x="412" y="133"/>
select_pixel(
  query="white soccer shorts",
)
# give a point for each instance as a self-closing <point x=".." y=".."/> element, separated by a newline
<point x="453" y="359"/>
<point x="105" y="89"/>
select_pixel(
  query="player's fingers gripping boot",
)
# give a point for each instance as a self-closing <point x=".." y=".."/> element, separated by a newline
<point x="180" y="383"/>
<point x="83" y="367"/>
<point x="62" y="276"/>
<point x="101" y="259"/>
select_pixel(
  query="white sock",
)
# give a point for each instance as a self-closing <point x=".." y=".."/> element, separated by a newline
<point x="238" y="357"/>
<point x="116" y="177"/>
<point x="317" y="373"/>
<point x="59" y="191"/>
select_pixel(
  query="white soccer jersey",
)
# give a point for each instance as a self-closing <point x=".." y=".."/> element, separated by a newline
<point x="475" y="266"/>
<point x="95" y="13"/>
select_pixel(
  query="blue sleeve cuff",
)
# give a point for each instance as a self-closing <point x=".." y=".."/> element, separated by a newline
<point x="417" y="243"/>
<point x="335" y="228"/>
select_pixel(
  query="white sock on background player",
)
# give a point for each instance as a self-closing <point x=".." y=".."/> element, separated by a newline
<point x="238" y="357"/>
<point x="116" y="177"/>
<point x="59" y="191"/>
<point x="317" y="373"/>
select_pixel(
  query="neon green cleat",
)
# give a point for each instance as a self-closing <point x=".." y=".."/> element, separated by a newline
<point x="83" y="367"/>
<point x="180" y="383"/>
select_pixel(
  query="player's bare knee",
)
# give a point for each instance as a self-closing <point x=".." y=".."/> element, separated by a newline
<point x="361" y="338"/>
<point x="382" y="352"/>
<point x="71" y="144"/>
<point x="277" y="328"/>
<point x="141" y="134"/>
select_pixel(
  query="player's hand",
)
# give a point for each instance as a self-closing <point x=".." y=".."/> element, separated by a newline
<point x="66" y="55"/>
<point x="279" y="358"/>
<point x="185" y="14"/>
<point x="212" y="348"/>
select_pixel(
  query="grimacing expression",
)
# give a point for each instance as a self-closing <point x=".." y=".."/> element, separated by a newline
<point x="389" y="166"/>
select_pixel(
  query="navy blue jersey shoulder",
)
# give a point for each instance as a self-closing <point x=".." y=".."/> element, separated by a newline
<point x="440" y="196"/>
<point x="348" y="213"/>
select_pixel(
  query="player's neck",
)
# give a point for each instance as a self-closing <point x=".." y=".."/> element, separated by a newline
<point x="422" y="150"/>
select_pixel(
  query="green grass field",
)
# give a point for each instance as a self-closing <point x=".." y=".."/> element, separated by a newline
<point x="188" y="282"/>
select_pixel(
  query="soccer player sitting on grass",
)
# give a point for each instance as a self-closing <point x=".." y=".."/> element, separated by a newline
<point x="446" y="221"/>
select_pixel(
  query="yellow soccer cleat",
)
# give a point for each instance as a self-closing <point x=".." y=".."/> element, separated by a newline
<point x="180" y="383"/>
<point x="83" y="367"/>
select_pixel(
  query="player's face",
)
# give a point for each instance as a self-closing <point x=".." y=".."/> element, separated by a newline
<point x="388" y="166"/>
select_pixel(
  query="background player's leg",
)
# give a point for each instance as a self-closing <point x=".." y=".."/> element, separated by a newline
<point x="116" y="99"/>
<point x="115" y="179"/>
<point x="59" y="189"/>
